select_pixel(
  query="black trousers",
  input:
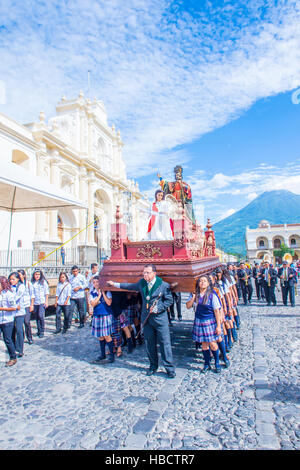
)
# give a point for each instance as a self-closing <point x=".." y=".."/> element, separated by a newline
<point x="286" y="290"/>
<point x="66" y="309"/>
<point x="177" y="302"/>
<point x="156" y="331"/>
<point x="79" y="303"/>
<point x="28" y="332"/>
<point x="258" y="289"/>
<point x="7" y="330"/>
<point x="247" y="291"/>
<point x="269" y="293"/>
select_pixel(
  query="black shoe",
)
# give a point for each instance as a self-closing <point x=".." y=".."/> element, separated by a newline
<point x="171" y="374"/>
<point x="81" y="325"/>
<point x="64" y="332"/>
<point x="179" y="318"/>
<point x="19" y="355"/>
<point x="151" y="371"/>
<point x="205" y="369"/>
<point x="99" y="359"/>
<point x="111" y="358"/>
<point x="41" y="335"/>
<point x="30" y="341"/>
<point x="57" y="331"/>
<point x="218" y="370"/>
<point x="226" y="363"/>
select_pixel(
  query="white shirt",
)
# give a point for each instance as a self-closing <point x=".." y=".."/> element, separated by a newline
<point x="28" y="294"/>
<point x="78" y="281"/>
<point x="89" y="280"/>
<point x="63" y="291"/>
<point x="40" y="291"/>
<point x="7" y="300"/>
<point x="19" y="291"/>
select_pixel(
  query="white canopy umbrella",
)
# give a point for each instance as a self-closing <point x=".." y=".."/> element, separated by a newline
<point x="22" y="191"/>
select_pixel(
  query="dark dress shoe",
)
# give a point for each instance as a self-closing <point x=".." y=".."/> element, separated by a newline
<point x="179" y="318"/>
<point x="227" y="363"/>
<point x="57" y="331"/>
<point x="64" y="332"/>
<point x="30" y="341"/>
<point x="171" y="374"/>
<point x="218" y="370"/>
<point x="41" y="335"/>
<point x="81" y="325"/>
<point x="19" y="355"/>
<point x="151" y="371"/>
<point x="205" y="369"/>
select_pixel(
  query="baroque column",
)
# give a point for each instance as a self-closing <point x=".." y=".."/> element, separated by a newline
<point x="54" y="179"/>
<point x="91" y="203"/>
<point x="83" y="196"/>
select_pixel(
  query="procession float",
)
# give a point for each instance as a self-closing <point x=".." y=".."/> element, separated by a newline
<point x="178" y="246"/>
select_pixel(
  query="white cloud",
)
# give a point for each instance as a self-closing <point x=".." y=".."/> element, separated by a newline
<point x="165" y="76"/>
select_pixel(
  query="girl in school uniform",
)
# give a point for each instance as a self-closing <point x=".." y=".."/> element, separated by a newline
<point x="18" y="289"/>
<point x="102" y="319"/>
<point x="41" y="294"/>
<point x="207" y="323"/>
<point x="227" y="308"/>
<point x="222" y="341"/>
<point x="63" y="303"/>
<point x="8" y="310"/>
<point x="28" y="300"/>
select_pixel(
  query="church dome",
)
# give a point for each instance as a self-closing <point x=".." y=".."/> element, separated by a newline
<point x="263" y="223"/>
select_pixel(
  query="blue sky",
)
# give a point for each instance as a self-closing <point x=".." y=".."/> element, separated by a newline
<point x="207" y="84"/>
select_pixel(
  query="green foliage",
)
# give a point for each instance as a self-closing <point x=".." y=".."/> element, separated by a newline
<point x="282" y="251"/>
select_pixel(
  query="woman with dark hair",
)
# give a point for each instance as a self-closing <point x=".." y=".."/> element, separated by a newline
<point x="8" y="310"/>
<point x="207" y="323"/>
<point x="18" y="289"/>
<point x="63" y="303"/>
<point x="28" y="299"/>
<point x="41" y="294"/>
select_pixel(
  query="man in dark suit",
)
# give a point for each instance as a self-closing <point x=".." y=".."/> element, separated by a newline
<point x="269" y="281"/>
<point x="244" y="276"/>
<point x="156" y="297"/>
<point x="255" y="272"/>
<point x="288" y="279"/>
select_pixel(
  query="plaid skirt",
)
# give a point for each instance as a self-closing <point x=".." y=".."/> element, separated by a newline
<point x="204" y="330"/>
<point x="132" y="313"/>
<point x="102" y="326"/>
<point x="116" y="332"/>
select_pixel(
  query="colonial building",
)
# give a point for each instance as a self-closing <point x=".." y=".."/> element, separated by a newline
<point x="262" y="241"/>
<point x="77" y="151"/>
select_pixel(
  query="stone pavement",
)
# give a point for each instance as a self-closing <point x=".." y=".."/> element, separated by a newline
<point x="55" y="399"/>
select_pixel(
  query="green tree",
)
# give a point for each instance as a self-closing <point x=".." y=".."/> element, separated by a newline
<point x="282" y="251"/>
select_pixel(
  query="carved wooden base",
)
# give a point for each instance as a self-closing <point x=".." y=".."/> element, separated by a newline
<point x="184" y="271"/>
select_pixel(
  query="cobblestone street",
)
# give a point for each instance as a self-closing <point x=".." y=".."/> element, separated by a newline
<point x="54" y="398"/>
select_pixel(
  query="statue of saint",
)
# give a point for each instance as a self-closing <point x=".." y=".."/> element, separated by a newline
<point x="160" y="225"/>
<point x="180" y="190"/>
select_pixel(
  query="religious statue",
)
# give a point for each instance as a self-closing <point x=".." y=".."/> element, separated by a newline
<point x="160" y="225"/>
<point x="180" y="190"/>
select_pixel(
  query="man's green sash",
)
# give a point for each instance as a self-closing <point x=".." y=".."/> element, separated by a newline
<point x="145" y="289"/>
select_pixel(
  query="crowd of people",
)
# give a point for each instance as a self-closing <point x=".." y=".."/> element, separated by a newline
<point x="120" y="319"/>
<point x="115" y="317"/>
<point x="267" y="279"/>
